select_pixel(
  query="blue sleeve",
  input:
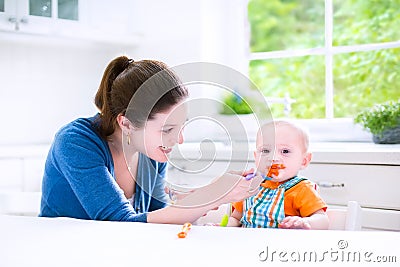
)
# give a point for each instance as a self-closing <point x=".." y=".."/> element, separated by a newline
<point x="83" y="162"/>
<point x="159" y="197"/>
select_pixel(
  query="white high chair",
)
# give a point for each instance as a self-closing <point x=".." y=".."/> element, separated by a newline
<point x="345" y="218"/>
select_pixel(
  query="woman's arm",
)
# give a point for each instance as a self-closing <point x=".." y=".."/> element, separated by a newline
<point x="226" y="189"/>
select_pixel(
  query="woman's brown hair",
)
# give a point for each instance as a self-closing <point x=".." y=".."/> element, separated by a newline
<point x="119" y="92"/>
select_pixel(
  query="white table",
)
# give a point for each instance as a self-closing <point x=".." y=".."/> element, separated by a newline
<point x="33" y="241"/>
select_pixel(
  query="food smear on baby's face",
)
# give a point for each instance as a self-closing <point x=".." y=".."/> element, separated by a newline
<point x="274" y="169"/>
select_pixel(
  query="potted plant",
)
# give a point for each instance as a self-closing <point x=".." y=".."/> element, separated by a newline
<point x="237" y="117"/>
<point x="233" y="103"/>
<point x="383" y="121"/>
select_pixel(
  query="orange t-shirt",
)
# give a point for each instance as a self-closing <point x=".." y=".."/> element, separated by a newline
<point x="300" y="200"/>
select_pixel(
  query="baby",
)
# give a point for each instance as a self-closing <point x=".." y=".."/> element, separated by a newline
<point x="285" y="200"/>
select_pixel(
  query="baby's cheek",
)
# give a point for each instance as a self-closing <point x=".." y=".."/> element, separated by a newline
<point x="260" y="164"/>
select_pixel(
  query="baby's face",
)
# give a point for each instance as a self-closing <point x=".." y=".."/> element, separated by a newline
<point x="282" y="145"/>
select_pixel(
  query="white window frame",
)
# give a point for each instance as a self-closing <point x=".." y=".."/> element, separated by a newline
<point x="334" y="129"/>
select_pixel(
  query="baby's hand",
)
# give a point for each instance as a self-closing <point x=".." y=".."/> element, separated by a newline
<point x="295" y="222"/>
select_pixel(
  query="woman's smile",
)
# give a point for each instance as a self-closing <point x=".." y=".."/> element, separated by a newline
<point x="166" y="149"/>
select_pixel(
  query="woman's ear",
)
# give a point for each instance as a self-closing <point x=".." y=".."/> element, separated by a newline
<point x="124" y="124"/>
<point x="306" y="160"/>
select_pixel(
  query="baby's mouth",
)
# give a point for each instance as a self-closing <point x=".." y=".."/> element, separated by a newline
<point x="274" y="169"/>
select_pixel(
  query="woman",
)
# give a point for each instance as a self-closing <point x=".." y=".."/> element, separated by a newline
<point x="112" y="166"/>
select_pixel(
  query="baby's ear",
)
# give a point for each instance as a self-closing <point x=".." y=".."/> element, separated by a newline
<point x="306" y="160"/>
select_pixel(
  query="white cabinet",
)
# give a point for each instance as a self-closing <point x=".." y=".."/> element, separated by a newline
<point x="197" y="164"/>
<point x="40" y="16"/>
<point x="93" y="20"/>
<point x="11" y="177"/>
<point x="33" y="174"/>
<point x="22" y="168"/>
<point x="21" y="176"/>
<point x="373" y="186"/>
<point x="193" y="174"/>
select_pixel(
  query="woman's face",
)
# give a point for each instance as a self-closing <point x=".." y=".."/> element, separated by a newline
<point x="160" y="134"/>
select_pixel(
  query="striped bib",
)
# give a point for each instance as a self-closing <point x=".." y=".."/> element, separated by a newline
<point x="266" y="209"/>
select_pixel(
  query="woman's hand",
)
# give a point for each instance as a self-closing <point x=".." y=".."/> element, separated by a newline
<point x="230" y="187"/>
<point x="243" y="188"/>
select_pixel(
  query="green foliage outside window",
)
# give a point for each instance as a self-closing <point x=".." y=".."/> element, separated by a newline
<point x="361" y="79"/>
<point x="235" y="104"/>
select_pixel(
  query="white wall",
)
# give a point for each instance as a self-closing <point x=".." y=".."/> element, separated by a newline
<point x="44" y="86"/>
<point x="181" y="31"/>
<point x="47" y="82"/>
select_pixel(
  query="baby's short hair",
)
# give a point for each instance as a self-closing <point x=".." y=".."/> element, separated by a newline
<point x="304" y="133"/>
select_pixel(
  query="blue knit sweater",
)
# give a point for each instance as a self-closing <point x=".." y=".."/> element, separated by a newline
<point x="79" y="180"/>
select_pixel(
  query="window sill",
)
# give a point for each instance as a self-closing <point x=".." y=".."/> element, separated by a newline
<point x="355" y="153"/>
<point x="335" y="130"/>
<point x="320" y="130"/>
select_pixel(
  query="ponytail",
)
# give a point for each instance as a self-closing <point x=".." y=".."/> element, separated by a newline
<point x="103" y="96"/>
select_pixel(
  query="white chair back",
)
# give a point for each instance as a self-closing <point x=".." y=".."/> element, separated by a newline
<point x="345" y="218"/>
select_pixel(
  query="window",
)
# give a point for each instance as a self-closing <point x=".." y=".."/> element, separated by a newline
<point x="333" y="57"/>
